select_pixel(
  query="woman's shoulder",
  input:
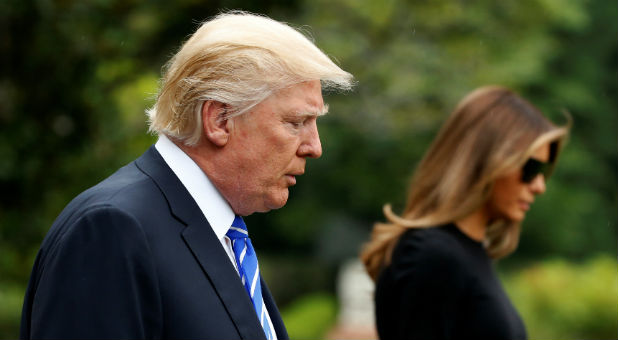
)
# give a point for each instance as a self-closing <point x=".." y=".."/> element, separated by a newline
<point x="430" y="238"/>
<point x="440" y="245"/>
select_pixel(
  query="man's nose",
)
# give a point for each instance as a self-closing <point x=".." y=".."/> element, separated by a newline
<point x="310" y="145"/>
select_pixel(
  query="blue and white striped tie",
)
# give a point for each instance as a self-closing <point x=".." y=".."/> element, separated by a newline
<point x="248" y="269"/>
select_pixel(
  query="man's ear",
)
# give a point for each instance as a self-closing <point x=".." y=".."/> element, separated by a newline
<point x="214" y="122"/>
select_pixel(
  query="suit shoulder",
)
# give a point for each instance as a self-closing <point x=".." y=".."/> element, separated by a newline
<point x="128" y="180"/>
<point x="121" y="194"/>
<point x="127" y="189"/>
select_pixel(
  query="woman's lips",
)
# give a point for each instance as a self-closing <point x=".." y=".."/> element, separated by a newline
<point x="524" y="205"/>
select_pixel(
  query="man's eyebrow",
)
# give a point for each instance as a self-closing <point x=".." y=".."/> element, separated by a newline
<point x="321" y="112"/>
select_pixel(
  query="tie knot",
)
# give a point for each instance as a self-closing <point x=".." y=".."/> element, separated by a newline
<point x="238" y="229"/>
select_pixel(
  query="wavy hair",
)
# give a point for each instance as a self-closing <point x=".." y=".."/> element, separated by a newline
<point x="491" y="132"/>
<point x="238" y="59"/>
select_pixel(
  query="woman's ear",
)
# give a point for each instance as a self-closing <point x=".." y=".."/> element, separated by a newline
<point x="214" y="122"/>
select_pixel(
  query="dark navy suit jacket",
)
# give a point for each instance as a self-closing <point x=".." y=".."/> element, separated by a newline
<point x="134" y="257"/>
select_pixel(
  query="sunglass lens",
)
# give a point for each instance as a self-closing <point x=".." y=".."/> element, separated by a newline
<point x="533" y="168"/>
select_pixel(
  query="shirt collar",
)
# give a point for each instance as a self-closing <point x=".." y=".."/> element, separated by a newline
<point x="214" y="207"/>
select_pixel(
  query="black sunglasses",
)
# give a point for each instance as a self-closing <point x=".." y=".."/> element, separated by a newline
<point x="533" y="168"/>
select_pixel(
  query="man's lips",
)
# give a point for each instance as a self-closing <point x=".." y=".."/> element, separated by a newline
<point x="292" y="177"/>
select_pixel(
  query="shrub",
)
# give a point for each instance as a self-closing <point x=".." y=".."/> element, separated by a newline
<point x="310" y="317"/>
<point x="11" y="299"/>
<point x="558" y="300"/>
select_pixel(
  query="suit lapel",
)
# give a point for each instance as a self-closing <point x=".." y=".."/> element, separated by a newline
<point x="273" y="312"/>
<point x="203" y="243"/>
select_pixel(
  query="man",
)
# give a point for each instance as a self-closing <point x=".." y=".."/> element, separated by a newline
<point x="154" y="250"/>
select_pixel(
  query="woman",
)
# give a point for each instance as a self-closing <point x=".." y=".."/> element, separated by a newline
<point x="432" y="265"/>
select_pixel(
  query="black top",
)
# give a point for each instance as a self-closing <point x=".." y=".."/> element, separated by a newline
<point x="441" y="285"/>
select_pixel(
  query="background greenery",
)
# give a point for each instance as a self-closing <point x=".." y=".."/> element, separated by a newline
<point x="76" y="76"/>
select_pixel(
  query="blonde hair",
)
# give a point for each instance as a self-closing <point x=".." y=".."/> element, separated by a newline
<point x="238" y="59"/>
<point x="492" y="131"/>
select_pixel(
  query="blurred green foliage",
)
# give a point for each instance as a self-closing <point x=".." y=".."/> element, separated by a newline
<point x="11" y="299"/>
<point x="291" y="277"/>
<point x="559" y="300"/>
<point x="310" y="317"/>
<point x="76" y="76"/>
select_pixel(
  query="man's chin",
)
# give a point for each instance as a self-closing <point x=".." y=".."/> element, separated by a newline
<point x="278" y="201"/>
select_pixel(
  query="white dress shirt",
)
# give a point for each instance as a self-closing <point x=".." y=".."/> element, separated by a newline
<point x="215" y="208"/>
